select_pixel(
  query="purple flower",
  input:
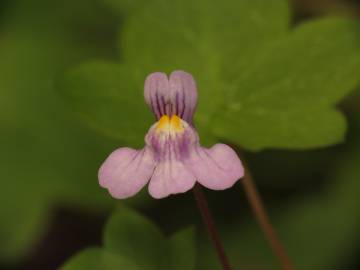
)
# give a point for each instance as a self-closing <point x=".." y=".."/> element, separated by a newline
<point x="172" y="159"/>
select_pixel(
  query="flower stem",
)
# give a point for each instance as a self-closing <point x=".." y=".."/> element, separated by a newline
<point x="262" y="217"/>
<point x="210" y="225"/>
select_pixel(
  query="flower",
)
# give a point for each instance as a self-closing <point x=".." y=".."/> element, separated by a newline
<point x="172" y="159"/>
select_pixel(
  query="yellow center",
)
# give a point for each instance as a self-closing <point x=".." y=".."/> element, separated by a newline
<point x="173" y="124"/>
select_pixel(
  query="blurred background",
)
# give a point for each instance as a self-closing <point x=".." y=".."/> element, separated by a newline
<point x="51" y="205"/>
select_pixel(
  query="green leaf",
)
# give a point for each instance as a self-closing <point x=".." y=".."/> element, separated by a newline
<point x="106" y="96"/>
<point x="96" y="259"/>
<point x="274" y="81"/>
<point x="131" y="239"/>
<point x="133" y="236"/>
<point x="289" y="90"/>
<point x="255" y="75"/>
<point x="295" y="128"/>
<point x="201" y="37"/>
<point x="182" y="250"/>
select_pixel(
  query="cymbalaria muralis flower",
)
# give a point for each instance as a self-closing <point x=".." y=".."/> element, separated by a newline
<point x="172" y="159"/>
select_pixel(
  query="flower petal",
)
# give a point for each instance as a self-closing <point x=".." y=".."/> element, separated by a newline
<point x="183" y="85"/>
<point x="174" y="96"/>
<point x="216" y="168"/>
<point x="126" y="171"/>
<point x="156" y="91"/>
<point x="170" y="177"/>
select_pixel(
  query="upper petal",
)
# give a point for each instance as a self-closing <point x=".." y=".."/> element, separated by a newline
<point x="156" y="92"/>
<point x="174" y="96"/>
<point x="126" y="171"/>
<point x="184" y="87"/>
<point x="216" y="168"/>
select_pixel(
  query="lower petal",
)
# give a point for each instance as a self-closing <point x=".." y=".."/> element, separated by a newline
<point x="170" y="177"/>
<point x="216" y="168"/>
<point x="126" y="171"/>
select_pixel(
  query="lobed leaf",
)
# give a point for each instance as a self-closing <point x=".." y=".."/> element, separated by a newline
<point x="289" y="90"/>
<point x="255" y="75"/>
<point x="131" y="239"/>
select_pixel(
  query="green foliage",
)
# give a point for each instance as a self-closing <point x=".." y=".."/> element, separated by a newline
<point x="201" y="37"/>
<point x="290" y="88"/>
<point x="182" y="250"/>
<point x="107" y="97"/>
<point x="96" y="259"/>
<point x="133" y="242"/>
<point x="131" y="235"/>
<point x="41" y="159"/>
<point x="255" y="75"/>
<point x="47" y="158"/>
